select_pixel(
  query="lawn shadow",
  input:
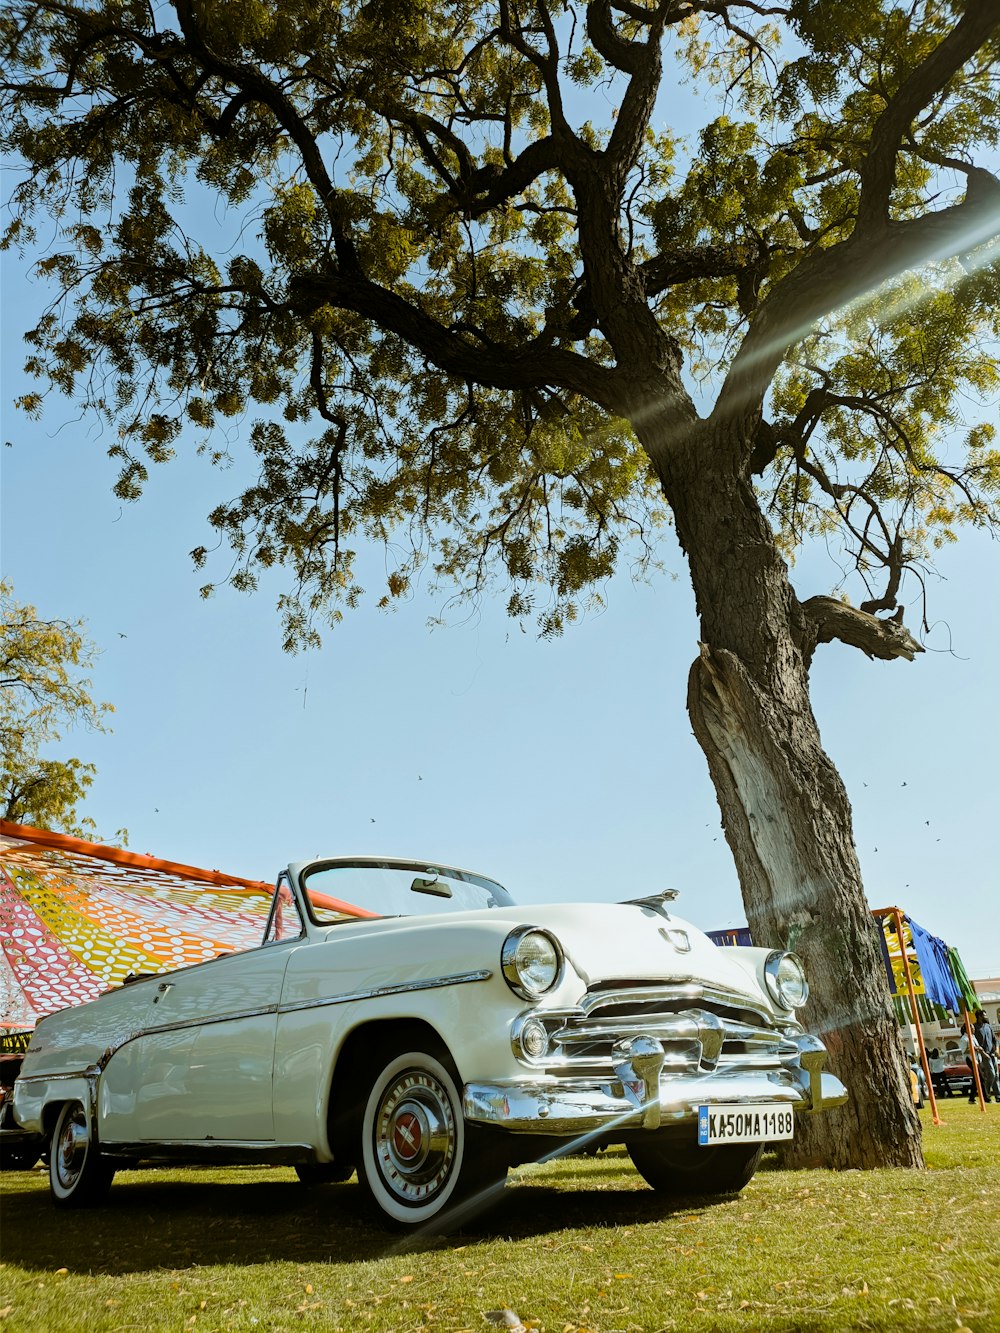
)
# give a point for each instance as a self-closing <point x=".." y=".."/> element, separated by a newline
<point x="151" y="1224"/>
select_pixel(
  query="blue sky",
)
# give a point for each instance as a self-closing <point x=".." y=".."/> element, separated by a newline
<point x="565" y="769"/>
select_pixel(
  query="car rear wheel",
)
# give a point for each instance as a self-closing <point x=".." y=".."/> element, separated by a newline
<point x="18" y="1159"/>
<point x="419" y="1163"/>
<point x="78" y="1175"/>
<point x="678" y="1167"/>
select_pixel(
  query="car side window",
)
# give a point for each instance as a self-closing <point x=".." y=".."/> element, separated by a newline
<point x="285" y="921"/>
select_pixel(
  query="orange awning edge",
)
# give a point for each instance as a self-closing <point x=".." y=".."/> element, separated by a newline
<point x="63" y="842"/>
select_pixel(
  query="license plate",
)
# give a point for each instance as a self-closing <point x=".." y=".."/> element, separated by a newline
<point x="744" y="1124"/>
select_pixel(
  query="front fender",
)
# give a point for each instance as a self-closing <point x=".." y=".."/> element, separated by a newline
<point x="470" y="1011"/>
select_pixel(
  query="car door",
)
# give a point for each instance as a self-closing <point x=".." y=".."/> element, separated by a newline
<point x="202" y="1068"/>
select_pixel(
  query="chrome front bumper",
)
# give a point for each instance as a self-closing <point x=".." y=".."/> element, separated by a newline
<point x="642" y="1096"/>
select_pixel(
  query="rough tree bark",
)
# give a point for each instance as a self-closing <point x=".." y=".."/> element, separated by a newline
<point x="784" y="809"/>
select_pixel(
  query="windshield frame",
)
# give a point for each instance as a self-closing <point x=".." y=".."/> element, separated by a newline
<point x="306" y="869"/>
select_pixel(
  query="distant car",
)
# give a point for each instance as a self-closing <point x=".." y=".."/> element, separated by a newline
<point x="408" y="1022"/>
<point x="958" y="1078"/>
<point x="19" y="1149"/>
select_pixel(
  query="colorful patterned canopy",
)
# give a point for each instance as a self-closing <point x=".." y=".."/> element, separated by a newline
<point x="77" y="918"/>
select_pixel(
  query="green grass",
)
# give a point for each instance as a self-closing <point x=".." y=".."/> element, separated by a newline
<point x="580" y="1244"/>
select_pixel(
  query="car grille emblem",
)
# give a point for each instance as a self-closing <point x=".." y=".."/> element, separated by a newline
<point x="678" y="938"/>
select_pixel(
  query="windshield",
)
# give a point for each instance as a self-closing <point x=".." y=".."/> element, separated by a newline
<point x="395" y="888"/>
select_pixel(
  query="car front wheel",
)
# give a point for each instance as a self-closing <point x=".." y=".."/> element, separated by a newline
<point x="419" y="1163"/>
<point x="78" y="1176"/>
<point x="323" y="1173"/>
<point x="683" y="1168"/>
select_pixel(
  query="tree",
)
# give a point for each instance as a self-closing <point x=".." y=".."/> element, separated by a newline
<point x="41" y="693"/>
<point x="519" y="334"/>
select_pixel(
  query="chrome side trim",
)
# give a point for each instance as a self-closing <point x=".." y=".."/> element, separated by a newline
<point x="253" y="1152"/>
<point x="91" y="1072"/>
<point x="403" y="988"/>
<point x="431" y="983"/>
<point x="202" y="1022"/>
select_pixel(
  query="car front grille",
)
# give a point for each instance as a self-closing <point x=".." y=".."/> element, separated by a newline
<point x="700" y="1028"/>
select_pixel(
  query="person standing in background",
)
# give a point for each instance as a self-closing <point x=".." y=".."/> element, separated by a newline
<point x="986" y="1055"/>
<point x="937" y="1062"/>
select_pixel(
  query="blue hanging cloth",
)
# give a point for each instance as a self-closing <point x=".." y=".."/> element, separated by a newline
<point x="935" y="969"/>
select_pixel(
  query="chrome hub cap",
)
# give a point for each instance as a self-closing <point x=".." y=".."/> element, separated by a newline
<point x="415" y="1137"/>
<point x="71" y="1150"/>
<point x="407" y="1136"/>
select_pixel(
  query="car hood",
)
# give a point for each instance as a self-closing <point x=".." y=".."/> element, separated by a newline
<point x="620" y="941"/>
<point x="602" y="943"/>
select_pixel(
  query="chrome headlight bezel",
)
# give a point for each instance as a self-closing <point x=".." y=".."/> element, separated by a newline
<point x="788" y="992"/>
<point x="530" y="1038"/>
<point x="528" y="989"/>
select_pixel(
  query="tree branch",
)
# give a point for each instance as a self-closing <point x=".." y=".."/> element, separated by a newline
<point x="878" y="170"/>
<point x="830" y="279"/>
<point x="490" y="185"/>
<point x="260" y="89"/>
<point x="527" y="367"/>
<point x="879" y="247"/>
<point x="827" y="619"/>
<point x="673" y="266"/>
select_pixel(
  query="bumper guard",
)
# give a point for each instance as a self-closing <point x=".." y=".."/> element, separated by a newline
<point x="640" y="1096"/>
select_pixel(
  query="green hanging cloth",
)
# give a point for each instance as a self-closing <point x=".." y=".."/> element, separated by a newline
<point x="969" y="997"/>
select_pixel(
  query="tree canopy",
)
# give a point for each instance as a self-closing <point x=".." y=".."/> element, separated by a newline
<point x="408" y="223"/>
<point x="41" y="694"/>
<point x="463" y="285"/>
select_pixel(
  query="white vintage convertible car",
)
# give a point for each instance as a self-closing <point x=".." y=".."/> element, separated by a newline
<point x="408" y="1022"/>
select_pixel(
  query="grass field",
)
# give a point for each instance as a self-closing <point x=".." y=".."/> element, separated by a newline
<point x="576" y="1245"/>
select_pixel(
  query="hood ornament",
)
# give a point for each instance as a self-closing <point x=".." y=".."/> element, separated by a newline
<point x="654" y="902"/>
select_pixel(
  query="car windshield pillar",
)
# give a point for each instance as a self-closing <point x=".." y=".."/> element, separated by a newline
<point x="285" y="920"/>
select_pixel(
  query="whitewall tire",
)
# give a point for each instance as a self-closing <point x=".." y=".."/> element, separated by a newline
<point x="78" y="1176"/>
<point x="419" y="1163"/>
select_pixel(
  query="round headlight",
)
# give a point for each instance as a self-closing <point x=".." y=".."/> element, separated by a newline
<point x="786" y="980"/>
<point x="531" y="961"/>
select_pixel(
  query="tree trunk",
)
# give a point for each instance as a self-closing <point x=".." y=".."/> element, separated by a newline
<point x="784" y="808"/>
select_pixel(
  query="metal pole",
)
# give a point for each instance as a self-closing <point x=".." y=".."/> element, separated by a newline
<point x="897" y="914"/>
